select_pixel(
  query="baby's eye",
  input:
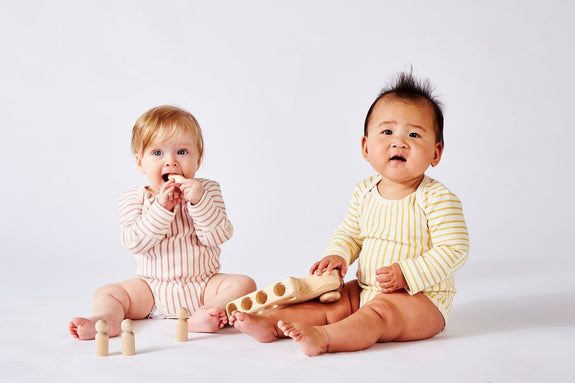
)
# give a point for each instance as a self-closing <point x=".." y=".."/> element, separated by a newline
<point x="182" y="151"/>
<point x="415" y="135"/>
<point x="387" y="132"/>
<point x="157" y="153"/>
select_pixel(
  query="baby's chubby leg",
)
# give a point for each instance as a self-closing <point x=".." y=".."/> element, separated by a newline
<point x="131" y="299"/>
<point x="388" y="317"/>
<point x="268" y="326"/>
<point x="220" y="289"/>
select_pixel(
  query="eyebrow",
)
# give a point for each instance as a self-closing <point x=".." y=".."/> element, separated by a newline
<point x="395" y="122"/>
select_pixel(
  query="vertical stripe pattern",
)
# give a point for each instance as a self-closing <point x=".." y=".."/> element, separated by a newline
<point x="176" y="252"/>
<point x="425" y="233"/>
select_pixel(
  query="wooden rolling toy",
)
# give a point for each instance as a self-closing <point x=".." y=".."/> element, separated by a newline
<point x="289" y="291"/>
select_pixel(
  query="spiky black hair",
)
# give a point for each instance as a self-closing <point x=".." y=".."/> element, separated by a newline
<point x="406" y="86"/>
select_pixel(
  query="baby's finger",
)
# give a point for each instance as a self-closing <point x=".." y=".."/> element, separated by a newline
<point x="386" y="286"/>
<point x="386" y="277"/>
<point x="190" y="183"/>
<point x="323" y="266"/>
<point x="169" y="188"/>
<point x="383" y="270"/>
<point x="167" y="184"/>
<point x="389" y="289"/>
<point x="314" y="267"/>
<point x="330" y="267"/>
<point x="320" y="268"/>
<point x="338" y="266"/>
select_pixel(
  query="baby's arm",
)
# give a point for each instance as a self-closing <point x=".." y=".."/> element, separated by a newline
<point x="209" y="216"/>
<point x="450" y="241"/>
<point x="140" y="232"/>
<point x="345" y="243"/>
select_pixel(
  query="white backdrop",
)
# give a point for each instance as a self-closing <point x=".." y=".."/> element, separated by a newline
<point x="281" y="90"/>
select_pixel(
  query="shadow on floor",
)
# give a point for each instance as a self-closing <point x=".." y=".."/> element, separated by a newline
<point x="511" y="313"/>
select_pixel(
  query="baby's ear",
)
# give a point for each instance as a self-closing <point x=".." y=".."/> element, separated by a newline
<point x="138" y="159"/>
<point x="437" y="154"/>
<point x="364" y="147"/>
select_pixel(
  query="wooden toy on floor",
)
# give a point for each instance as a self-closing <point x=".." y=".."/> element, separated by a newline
<point x="289" y="291"/>
<point x="182" y="325"/>
<point x="128" y="340"/>
<point x="102" y="348"/>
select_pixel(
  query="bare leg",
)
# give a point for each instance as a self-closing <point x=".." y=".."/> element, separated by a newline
<point x="388" y="317"/>
<point x="264" y="327"/>
<point x="131" y="299"/>
<point x="221" y="289"/>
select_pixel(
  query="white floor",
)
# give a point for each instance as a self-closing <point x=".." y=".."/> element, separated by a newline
<point x="520" y="330"/>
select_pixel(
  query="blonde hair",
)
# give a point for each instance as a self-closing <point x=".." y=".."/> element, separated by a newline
<point x="161" y="123"/>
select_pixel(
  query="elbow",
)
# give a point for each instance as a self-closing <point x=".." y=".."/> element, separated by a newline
<point x="462" y="255"/>
<point x="214" y="238"/>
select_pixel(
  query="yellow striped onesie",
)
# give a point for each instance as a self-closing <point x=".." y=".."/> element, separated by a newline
<point x="425" y="233"/>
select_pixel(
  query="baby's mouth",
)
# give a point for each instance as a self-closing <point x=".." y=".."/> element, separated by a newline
<point x="398" y="158"/>
<point x="175" y="176"/>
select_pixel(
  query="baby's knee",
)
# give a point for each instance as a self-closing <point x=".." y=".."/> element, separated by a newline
<point x="108" y="290"/>
<point x="244" y="284"/>
<point x="386" y="310"/>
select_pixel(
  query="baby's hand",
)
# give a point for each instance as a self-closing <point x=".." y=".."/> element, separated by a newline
<point x="390" y="278"/>
<point x="193" y="190"/>
<point x="328" y="264"/>
<point x="169" y="195"/>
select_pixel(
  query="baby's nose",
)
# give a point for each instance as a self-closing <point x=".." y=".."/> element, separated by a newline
<point x="171" y="162"/>
<point x="399" y="144"/>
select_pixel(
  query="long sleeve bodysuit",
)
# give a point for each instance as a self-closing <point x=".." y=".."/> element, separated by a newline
<point x="176" y="252"/>
<point x="425" y="233"/>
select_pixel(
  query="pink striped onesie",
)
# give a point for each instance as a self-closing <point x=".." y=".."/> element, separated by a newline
<point x="176" y="252"/>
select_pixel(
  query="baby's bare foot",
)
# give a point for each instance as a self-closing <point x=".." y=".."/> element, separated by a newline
<point x="312" y="340"/>
<point x="254" y="325"/>
<point x="85" y="328"/>
<point x="82" y="328"/>
<point x="207" y="320"/>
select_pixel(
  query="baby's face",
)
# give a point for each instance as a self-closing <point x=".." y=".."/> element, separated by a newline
<point x="178" y="155"/>
<point x="401" y="140"/>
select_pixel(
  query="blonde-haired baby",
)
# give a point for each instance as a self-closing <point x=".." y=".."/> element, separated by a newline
<point x="174" y="228"/>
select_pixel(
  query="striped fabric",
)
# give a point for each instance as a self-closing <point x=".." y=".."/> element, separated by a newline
<point x="176" y="252"/>
<point x="425" y="233"/>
